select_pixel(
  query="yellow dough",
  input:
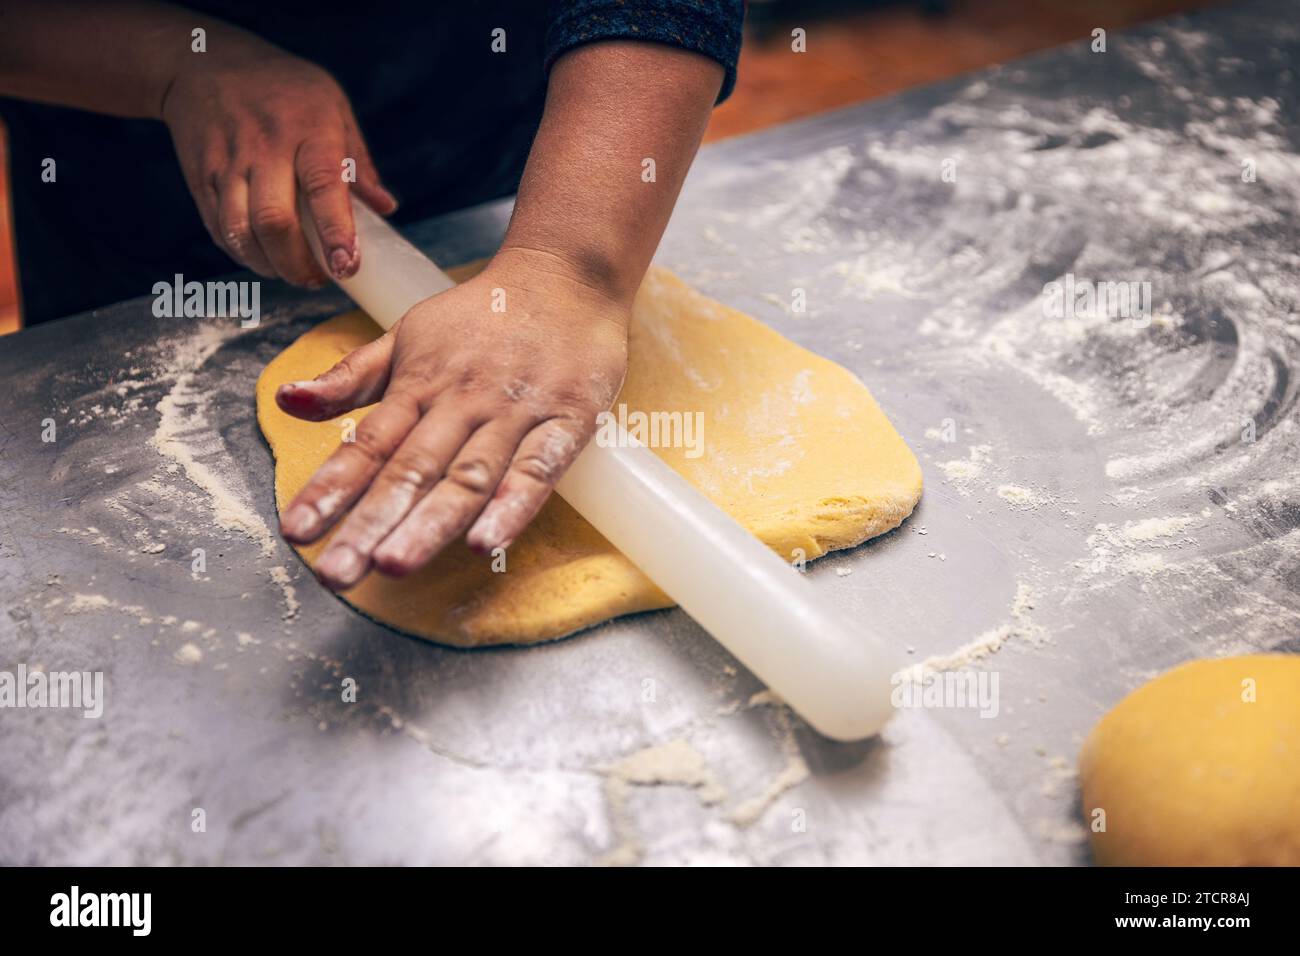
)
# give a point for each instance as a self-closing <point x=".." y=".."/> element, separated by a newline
<point x="795" y="448"/>
<point x="1200" y="767"/>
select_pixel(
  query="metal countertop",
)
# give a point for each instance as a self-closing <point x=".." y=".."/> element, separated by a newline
<point x="1116" y="497"/>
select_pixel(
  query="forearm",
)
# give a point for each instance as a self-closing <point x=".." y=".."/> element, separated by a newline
<point x="584" y="198"/>
<point x="117" y="58"/>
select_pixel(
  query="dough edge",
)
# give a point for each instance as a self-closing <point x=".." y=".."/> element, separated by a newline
<point x="610" y="585"/>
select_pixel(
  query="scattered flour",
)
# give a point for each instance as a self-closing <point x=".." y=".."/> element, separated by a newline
<point x="675" y="763"/>
<point x="90" y="603"/>
<point x="1134" y="548"/>
<point x="81" y="603"/>
<point x="792" y="774"/>
<point x="961" y="470"/>
<point x="1151" y="528"/>
<point x="181" y="415"/>
<point x="188" y="654"/>
<point x="280" y="575"/>
<point x="990" y="642"/>
<point x="1019" y="497"/>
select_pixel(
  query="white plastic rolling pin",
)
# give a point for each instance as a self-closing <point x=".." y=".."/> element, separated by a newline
<point x="834" y="674"/>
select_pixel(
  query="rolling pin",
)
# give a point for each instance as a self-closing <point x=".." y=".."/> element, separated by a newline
<point x="833" y="674"/>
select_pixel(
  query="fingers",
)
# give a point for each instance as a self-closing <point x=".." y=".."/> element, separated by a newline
<point x="235" y="230"/>
<point x="319" y="165"/>
<point x="419" y="465"/>
<point x="543" y="456"/>
<point x="441" y="516"/>
<point x="360" y="378"/>
<point x="252" y="213"/>
<point x="273" y="214"/>
<point x="438" y="481"/>
<point x="203" y="189"/>
<point x="347" y="472"/>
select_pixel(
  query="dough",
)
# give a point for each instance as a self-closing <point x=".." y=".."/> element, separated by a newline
<point x="795" y="448"/>
<point x="1191" y="771"/>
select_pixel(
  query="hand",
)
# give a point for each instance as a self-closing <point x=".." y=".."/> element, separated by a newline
<point x="254" y="126"/>
<point x="480" y="412"/>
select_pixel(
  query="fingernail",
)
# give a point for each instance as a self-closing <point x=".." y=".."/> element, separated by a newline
<point x="341" y="565"/>
<point x="481" y="537"/>
<point x="392" y="200"/>
<point x="300" y="521"/>
<point x="390" y="560"/>
<point x="344" y="261"/>
<point x="296" y="395"/>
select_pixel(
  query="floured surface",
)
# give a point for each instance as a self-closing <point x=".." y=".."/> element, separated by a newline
<point x="794" y="447"/>
<point x="497" y="758"/>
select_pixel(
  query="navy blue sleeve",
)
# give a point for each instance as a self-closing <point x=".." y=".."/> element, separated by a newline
<point x="710" y="27"/>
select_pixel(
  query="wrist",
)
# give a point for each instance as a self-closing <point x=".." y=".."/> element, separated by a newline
<point x="596" y="273"/>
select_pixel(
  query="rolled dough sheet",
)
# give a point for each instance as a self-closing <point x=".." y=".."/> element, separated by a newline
<point x="795" y="448"/>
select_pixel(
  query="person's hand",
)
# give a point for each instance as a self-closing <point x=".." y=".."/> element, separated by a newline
<point x="254" y="126"/>
<point x="480" y="412"/>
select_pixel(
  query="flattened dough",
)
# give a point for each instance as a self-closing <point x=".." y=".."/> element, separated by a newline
<point x="795" y="448"/>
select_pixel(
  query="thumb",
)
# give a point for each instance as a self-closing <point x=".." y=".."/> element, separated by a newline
<point x="358" y="379"/>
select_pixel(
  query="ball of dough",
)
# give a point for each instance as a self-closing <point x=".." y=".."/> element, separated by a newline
<point x="1200" y="767"/>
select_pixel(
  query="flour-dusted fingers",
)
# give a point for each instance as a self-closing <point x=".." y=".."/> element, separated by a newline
<point x="235" y="229"/>
<point x="543" y="457"/>
<point x="319" y="166"/>
<point x="359" y="378"/>
<point x="417" y="465"/>
<point x="496" y="376"/>
<point x="348" y="472"/>
<point x="444" y="513"/>
<point x="273" y="212"/>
